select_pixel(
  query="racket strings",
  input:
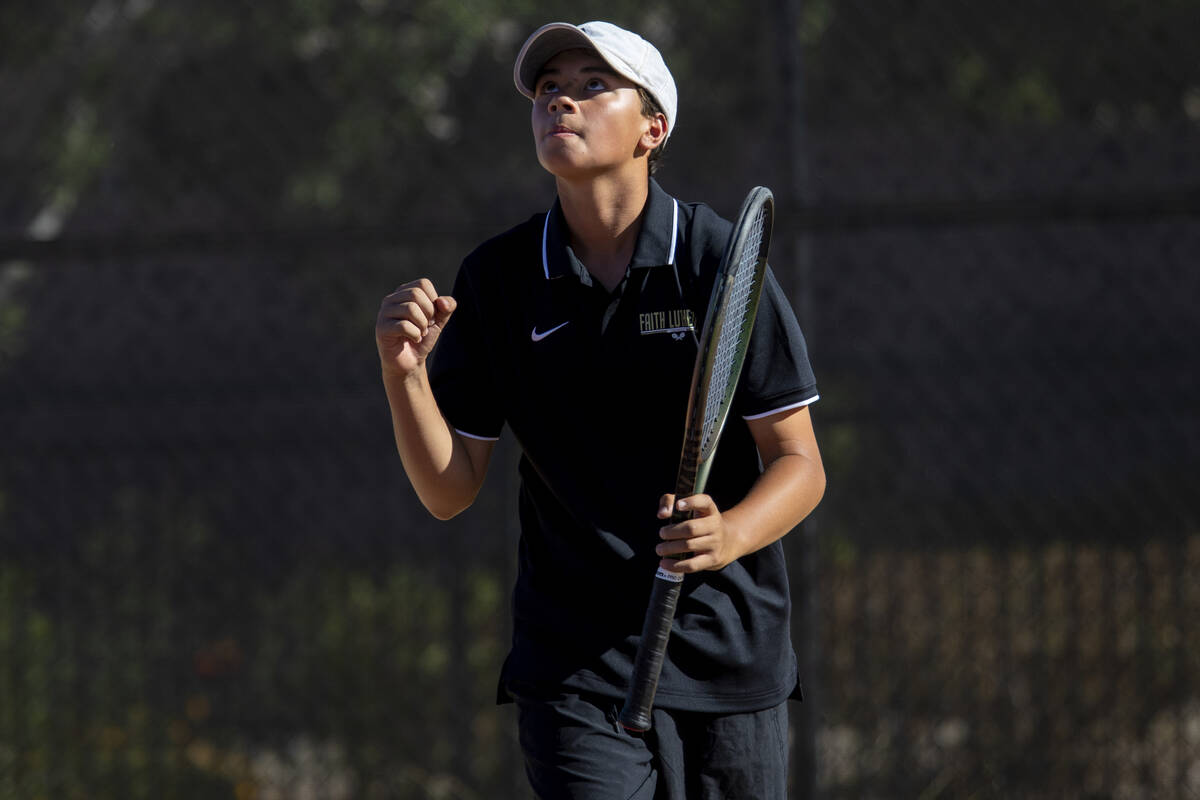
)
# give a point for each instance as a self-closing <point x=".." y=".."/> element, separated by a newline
<point x="736" y="310"/>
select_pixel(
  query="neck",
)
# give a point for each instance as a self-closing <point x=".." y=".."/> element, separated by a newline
<point x="604" y="217"/>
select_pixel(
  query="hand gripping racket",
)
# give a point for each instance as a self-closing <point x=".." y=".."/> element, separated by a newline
<point x="723" y="342"/>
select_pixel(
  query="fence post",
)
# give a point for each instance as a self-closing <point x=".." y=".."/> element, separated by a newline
<point x="793" y="187"/>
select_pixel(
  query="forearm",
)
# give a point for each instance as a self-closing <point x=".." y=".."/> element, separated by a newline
<point x="785" y="493"/>
<point x="435" y="458"/>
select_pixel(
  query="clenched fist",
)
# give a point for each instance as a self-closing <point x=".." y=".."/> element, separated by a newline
<point x="409" y="323"/>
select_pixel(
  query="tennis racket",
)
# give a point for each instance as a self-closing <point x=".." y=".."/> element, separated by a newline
<point x="723" y="343"/>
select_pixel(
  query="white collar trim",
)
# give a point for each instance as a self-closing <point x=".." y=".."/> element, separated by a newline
<point x="670" y="254"/>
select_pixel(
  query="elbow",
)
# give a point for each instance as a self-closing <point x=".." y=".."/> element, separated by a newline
<point x="816" y="478"/>
<point x="447" y="487"/>
<point x="446" y="506"/>
<point x="811" y="487"/>
<point x="444" y="513"/>
<point x="808" y="495"/>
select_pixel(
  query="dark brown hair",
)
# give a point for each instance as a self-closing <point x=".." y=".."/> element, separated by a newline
<point x="650" y="107"/>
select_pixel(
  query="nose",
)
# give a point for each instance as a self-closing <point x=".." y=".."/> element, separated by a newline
<point x="561" y="102"/>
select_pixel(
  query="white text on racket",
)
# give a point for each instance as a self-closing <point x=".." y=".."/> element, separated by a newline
<point x="668" y="575"/>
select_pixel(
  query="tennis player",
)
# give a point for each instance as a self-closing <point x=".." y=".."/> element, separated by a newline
<point x="577" y="330"/>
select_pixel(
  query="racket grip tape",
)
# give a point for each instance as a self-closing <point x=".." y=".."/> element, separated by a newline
<point x="647" y="665"/>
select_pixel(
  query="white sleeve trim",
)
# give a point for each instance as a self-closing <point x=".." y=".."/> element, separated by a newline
<point x="801" y="404"/>
<point x="476" y="436"/>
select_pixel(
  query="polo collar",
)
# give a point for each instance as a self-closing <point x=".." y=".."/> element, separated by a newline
<point x="655" y="245"/>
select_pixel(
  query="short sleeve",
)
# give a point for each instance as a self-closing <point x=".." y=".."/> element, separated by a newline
<point x="462" y="371"/>
<point x="777" y="374"/>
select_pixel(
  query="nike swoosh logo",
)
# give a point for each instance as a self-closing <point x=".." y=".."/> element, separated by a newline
<point x="537" y="337"/>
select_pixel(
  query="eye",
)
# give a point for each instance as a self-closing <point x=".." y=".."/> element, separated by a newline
<point x="595" y="85"/>
<point x="547" y="87"/>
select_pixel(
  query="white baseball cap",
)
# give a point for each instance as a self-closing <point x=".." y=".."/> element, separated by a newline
<point x="627" y="53"/>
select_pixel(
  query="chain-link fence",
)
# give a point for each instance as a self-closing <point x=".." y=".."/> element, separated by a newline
<point x="214" y="579"/>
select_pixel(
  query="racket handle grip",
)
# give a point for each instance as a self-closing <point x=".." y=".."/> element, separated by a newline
<point x="647" y="664"/>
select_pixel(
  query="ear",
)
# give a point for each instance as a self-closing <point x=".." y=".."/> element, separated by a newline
<point x="655" y="133"/>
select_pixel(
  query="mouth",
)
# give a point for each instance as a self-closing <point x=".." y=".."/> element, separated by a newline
<point x="561" y="130"/>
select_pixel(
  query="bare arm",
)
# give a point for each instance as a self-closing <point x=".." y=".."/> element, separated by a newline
<point x="791" y="485"/>
<point x="446" y="468"/>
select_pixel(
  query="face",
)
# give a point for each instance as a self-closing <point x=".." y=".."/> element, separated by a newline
<point x="587" y="118"/>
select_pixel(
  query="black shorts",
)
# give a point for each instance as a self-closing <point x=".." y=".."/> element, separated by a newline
<point x="575" y="748"/>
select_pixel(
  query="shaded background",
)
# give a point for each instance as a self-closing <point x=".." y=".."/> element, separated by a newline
<point x="215" y="581"/>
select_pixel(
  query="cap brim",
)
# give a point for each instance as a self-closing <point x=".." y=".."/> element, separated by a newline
<point x="541" y="46"/>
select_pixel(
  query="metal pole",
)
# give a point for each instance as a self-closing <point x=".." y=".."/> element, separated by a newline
<point x="796" y="192"/>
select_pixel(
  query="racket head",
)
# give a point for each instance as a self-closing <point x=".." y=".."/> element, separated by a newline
<point x="725" y="336"/>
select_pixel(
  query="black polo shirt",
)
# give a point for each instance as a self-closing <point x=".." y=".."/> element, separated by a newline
<point x="594" y="386"/>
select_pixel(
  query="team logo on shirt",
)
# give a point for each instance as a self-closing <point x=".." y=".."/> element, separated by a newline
<point x="677" y="322"/>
